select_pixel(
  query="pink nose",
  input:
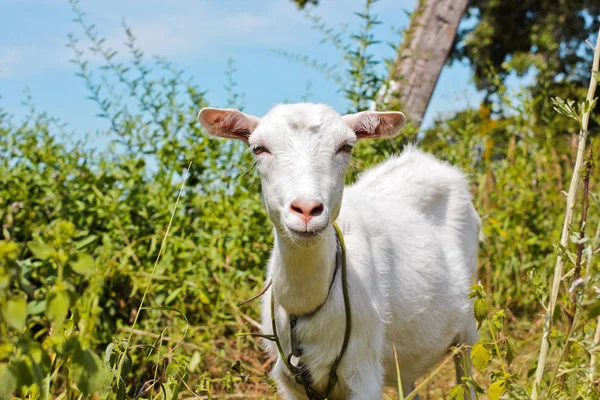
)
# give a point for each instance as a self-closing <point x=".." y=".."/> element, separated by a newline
<point x="307" y="209"/>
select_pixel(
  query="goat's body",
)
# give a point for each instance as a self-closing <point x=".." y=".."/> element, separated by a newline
<point x="411" y="237"/>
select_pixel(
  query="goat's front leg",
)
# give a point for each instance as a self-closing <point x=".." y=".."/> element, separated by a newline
<point x="286" y="385"/>
<point x="367" y="383"/>
<point x="364" y="370"/>
<point x="408" y="388"/>
<point x="462" y="363"/>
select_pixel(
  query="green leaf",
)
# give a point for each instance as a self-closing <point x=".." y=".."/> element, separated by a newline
<point x="36" y="307"/>
<point x="41" y="250"/>
<point x="481" y="309"/>
<point x="194" y="362"/>
<point x="480" y="356"/>
<point x="203" y="298"/>
<point x="173" y="295"/>
<point x="70" y="345"/>
<point x="21" y="371"/>
<point x="565" y="108"/>
<point x="109" y="355"/>
<point x="14" y="313"/>
<point x="88" y="372"/>
<point x="40" y="360"/>
<point x="172" y="371"/>
<point x="495" y="390"/>
<point x="510" y="351"/>
<point x="457" y="392"/>
<point x="586" y="106"/>
<point x="84" y="264"/>
<point x="127" y="366"/>
<point x="4" y="280"/>
<point x="57" y="307"/>
<point x="8" y="250"/>
<point x="8" y="382"/>
<point x="498" y="319"/>
<point x="572" y="386"/>
<point x="85" y="241"/>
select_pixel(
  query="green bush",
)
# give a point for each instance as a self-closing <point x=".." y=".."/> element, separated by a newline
<point x="81" y="233"/>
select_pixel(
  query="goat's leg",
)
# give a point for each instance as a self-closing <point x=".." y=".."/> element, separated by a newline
<point x="291" y="392"/>
<point x="287" y="387"/>
<point x="366" y="384"/>
<point x="462" y="364"/>
<point x="462" y="361"/>
<point x="407" y="388"/>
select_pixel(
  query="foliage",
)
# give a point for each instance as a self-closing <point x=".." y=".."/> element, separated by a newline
<point x="88" y="308"/>
<point x="81" y="232"/>
<point x="304" y="3"/>
<point x="360" y="77"/>
<point x="515" y="36"/>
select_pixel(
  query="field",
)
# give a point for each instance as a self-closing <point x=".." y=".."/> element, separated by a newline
<point x="121" y="269"/>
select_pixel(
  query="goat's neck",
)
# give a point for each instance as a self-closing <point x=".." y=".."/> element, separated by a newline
<point x="302" y="275"/>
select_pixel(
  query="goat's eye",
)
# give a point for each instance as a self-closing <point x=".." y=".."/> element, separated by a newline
<point x="259" y="150"/>
<point x="346" y="148"/>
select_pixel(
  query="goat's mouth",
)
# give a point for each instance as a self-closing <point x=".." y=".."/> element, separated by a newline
<point x="305" y="234"/>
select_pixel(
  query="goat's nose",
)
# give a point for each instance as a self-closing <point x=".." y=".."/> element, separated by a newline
<point x="307" y="209"/>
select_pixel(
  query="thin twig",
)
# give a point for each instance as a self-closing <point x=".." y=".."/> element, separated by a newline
<point x="450" y="356"/>
<point x="595" y="242"/>
<point x="398" y="377"/>
<point x="160" y="251"/>
<point x="495" y="340"/>
<point x="564" y="239"/>
<point x="589" y="165"/>
<point x="589" y="43"/>
<point x="252" y="321"/>
<point x="263" y="291"/>
<point x="593" y="357"/>
<point x="572" y="312"/>
<point x="152" y="335"/>
<point x="223" y="396"/>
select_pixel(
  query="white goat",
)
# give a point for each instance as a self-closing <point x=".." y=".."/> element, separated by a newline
<point x="411" y="236"/>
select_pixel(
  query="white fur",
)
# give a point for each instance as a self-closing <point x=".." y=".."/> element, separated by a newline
<point x="411" y="236"/>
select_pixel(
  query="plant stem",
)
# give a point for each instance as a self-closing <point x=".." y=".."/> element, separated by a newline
<point x="160" y="251"/>
<point x="563" y="354"/>
<point x="593" y="358"/>
<point x="429" y="377"/>
<point x="500" y="358"/>
<point x="564" y="239"/>
<point x="399" y="379"/>
<point x="595" y="243"/>
<point x="589" y="165"/>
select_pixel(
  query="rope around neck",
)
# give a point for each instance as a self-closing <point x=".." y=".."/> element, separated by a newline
<point x="299" y="374"/>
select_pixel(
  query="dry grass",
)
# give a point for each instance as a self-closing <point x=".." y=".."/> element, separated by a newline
<point x="257" y="367"/>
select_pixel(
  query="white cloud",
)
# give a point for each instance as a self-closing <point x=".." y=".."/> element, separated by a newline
<point x="196" y="32"/>
<point x="9" y="59"/>
<point x="31" y="59"/>
<point x="218" y="31"/>
<point x="181" y="30"/>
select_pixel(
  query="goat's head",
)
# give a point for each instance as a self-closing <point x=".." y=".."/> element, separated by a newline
<point x="302" y="152"/>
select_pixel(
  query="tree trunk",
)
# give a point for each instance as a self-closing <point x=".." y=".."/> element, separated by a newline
<point x="426" y="46"/>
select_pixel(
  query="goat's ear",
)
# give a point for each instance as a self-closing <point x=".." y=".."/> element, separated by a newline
<point x="228" y="123"/>
<point x="375" y="124"/>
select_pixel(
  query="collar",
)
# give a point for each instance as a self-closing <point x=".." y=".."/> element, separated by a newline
<point x="296" y="349"/>
<point x="300" y="372"/>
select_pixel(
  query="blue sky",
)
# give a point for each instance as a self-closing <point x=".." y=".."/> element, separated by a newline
<point x="198" y="36"/>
